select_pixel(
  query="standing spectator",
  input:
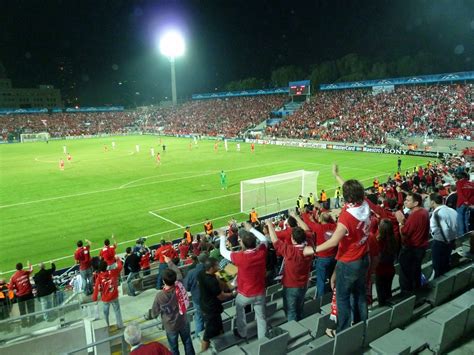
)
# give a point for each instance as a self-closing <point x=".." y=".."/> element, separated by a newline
<point x="350" y="236"/>
<point x="5" y="300"/>
<point x="107" y="284"/>
<point x="107" y="253"/>
<point x="414" y="232"/>
<point x="132" y="269"/>
<point x="191" y="284"/>
<point x="465" y="192"/>
<point x="443" y="225"/>
<point x="183" y="250"/>
<point x="82" y="255"/>
<point x="165" y="250"/>
<point x="251" y="264"/>
<point x="133" y="336"/>
<point x="20" y="283"/>
<point x="45" y="289"/>
<point x="171" y="303"/>
<point x="211" y="297"/>
<point x="145" y="257"/>
<point x="452" y="198"/>
<point x="197" y="245"/>
<point x="386" y="250"/>
<point x="295" y="271"/>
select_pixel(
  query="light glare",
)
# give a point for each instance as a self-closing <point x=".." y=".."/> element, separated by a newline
<point x="172" y="44"/>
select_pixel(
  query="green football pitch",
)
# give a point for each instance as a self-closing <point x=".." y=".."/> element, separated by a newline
<point x="44" y="211"/>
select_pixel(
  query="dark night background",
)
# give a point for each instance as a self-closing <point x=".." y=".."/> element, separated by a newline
<point x="86" y="48"/>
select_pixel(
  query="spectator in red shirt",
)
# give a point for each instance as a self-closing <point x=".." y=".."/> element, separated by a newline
<point x="183" y="250"/>
<point x="415" y="233"/>
<point x="295" y="271"/>
<point x="465" y="193"/>
<point x="20" y="283"/>
<point x="350" y="236"/>
<point x="82" y="256"/>
<point x="107" y="284"/>
<point x="107" y="253"/>
<point x="165" y="250"/>
<point x="133" y="336"/>
<point x="251" y="264"/>
<point x="326" y="260"/>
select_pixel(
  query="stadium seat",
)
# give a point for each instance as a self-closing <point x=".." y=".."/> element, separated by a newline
<point x="350" y="340"/>
<point x="316" y="324"/>
<point x="461" y="281"/>
<point x="441" y="329"/>
<point x="234" y="350"/>
<point x="441" y="291"/>
<point x="274" y="346"/>
<point x="322" y="345"/>
<point x="377" y="326"/>
<point x="402" y="312"/>
<point x="397" y="342"/>
<point x="294" y="330"/>
<point x="311" y="307"/>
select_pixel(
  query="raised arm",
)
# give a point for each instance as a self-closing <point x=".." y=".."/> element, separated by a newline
<point x="299" y="220"/>
<point x="271" y="231"/>
<point x="248" y="227"/>
<point x="222" y="248"/>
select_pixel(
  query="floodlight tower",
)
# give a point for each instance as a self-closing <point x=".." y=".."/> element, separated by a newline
<point x="172" y="45"/>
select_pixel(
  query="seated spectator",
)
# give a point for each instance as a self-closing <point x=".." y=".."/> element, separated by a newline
<point x="133" y="336"/>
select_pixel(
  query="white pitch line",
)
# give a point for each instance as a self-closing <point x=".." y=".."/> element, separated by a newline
<point x="195" y="202"/>
<point x="129" y="187"/>
<point x="133" y="240"/>
<point x="166" y="219"/>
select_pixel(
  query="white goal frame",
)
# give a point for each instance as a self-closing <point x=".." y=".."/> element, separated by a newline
<point x="34" y="137"/>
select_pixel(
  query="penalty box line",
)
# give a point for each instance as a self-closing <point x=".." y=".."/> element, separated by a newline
<point x="165" y="219"/>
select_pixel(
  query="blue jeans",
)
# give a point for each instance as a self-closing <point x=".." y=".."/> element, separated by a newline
<point x="198" y="319"/>
<point x="118" y="314"/>
<point x="463" y="219"/>
<point x="350" y="283"/>
<point x="131" y="276"/>
<point x="159" y="278"/>
<point x="87" y="285"/>
<point x="185" y="335"/>
<point x="47" y="303"/>
<point x="293" y="302"/>
<point x="259" y="307"/>
<point x="324" y="269"/>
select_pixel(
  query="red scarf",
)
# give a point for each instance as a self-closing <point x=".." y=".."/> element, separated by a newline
<point x="182" y="297"/>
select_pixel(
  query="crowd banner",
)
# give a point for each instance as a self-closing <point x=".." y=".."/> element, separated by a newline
<point x="407" y="80"/>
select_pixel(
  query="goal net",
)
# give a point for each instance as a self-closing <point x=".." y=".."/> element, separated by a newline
<point x="34" y="137"/>
<point x="271" y="194"/>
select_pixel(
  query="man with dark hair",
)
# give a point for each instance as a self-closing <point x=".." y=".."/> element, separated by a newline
<point x="284" y="235"/>
<point x="132" y="269"/>
<point x="211" y="297"/>
<point x="414" y="233"/>
<point x="350" y="236"/>
<point x="20" y="283"/>
<point x="45" y="289"/>
<point x="165" y="250"/>
<point x="107" y="253"/>
<point x="82" y="255"/>
<point x="295" y="272"/>
<point x="465" y="201"/>
<point x="107" y="284"/>
<point x="251" y="264"/>
<point x="443" y="227"/>
<point x="171" y="304"/>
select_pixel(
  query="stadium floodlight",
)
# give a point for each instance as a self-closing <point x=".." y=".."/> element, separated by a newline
<point x="172" y="45"/>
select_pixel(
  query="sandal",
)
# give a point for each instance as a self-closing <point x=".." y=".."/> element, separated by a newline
<point x="330" y="333"/>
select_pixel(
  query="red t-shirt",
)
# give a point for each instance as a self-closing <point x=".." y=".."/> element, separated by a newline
<point x="285" y="235"/>
<point x="183" y="251"/>
<point x="324" y="232"/>
<point x="83" y="257"/>
<point x="353" y="246"/>
<point x="145" y="261"/>
<point x="107" y="283"/>
<point x="251" y="272"/>
<point x="297" y="266"/>
<point x="165" y="250"/>
<point x="153" y="348"/>
<point x="20" y="281"/>
<point x="465" y="191"/>
<point x="108" y="254"/>
<point x="417" y="229"/>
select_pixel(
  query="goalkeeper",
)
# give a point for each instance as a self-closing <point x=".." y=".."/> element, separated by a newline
<point x="223" y="180"/>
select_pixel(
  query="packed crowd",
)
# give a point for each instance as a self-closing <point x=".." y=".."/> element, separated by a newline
<point x="229" y="117"/>
<point x="358" y="116"/>
<point x="390" y="222"/>
<point x="69" y="124"/>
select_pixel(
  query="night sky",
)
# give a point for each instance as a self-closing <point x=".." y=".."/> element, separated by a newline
<point x="100" y="44"/>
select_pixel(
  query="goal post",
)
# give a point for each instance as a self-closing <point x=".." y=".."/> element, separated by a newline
<point x="34" y="137"/>
<point x="271" y="194"/>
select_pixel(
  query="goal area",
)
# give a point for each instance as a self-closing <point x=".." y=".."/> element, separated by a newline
<point x="271" y="194"/>
<point x="34" y="137"/>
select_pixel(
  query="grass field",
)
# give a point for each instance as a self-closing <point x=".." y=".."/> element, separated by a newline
<point x="44" y="211"/>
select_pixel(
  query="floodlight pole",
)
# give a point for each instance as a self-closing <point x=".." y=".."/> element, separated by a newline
<point x="173" y="82"/>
